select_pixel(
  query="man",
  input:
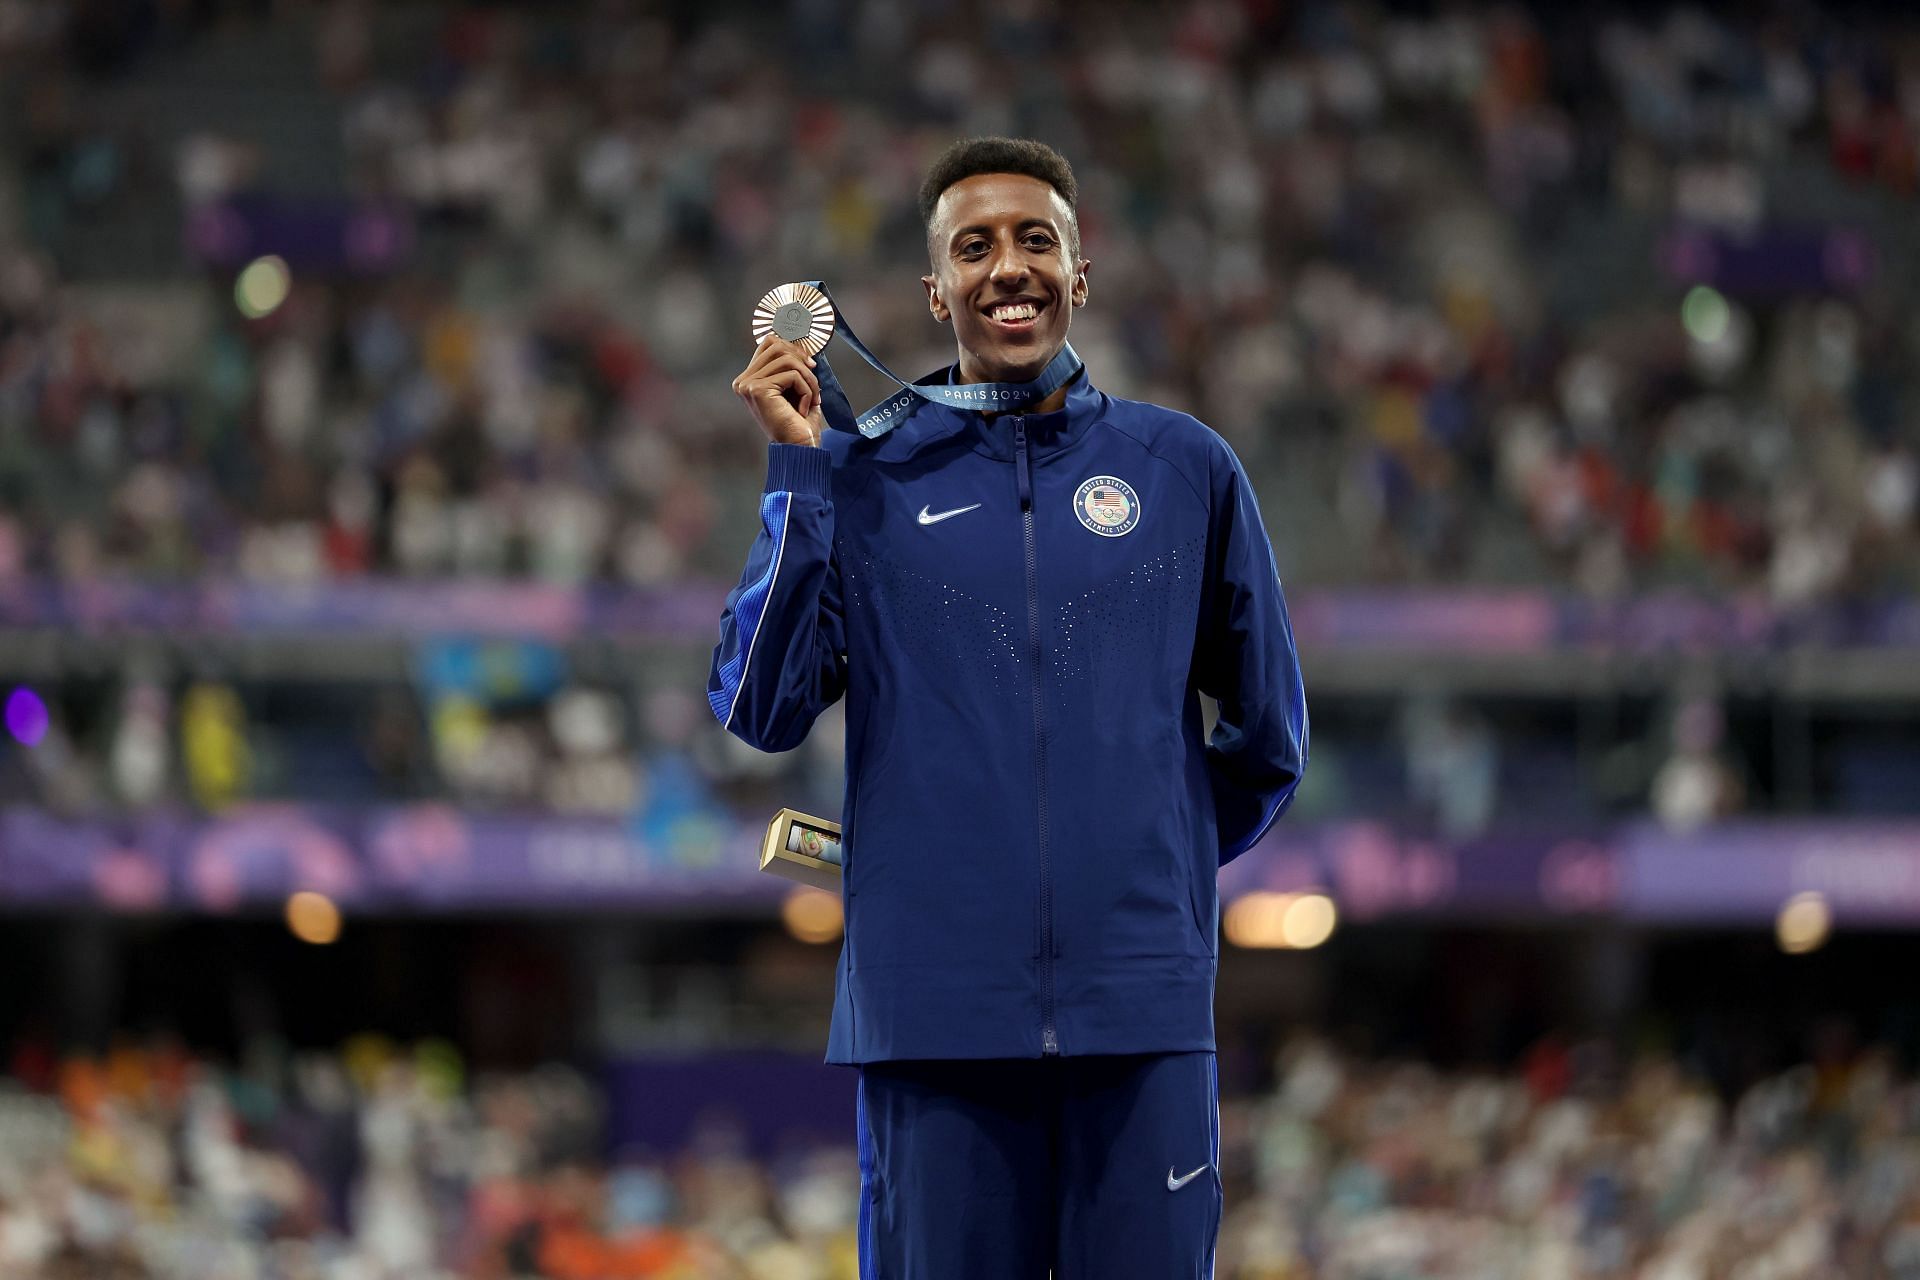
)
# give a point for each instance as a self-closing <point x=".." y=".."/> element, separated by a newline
<point x="1022" y="610"/>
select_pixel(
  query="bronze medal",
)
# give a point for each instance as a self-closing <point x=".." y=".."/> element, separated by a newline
<point x="798" y="313"/>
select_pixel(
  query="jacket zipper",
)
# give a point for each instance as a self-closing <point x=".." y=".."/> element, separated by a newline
<point x="1023" y="468"/>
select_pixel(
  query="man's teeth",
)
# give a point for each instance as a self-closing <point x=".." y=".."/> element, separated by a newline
<point x="1016" y="311"/>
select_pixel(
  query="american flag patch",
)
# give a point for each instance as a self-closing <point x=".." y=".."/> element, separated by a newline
<point x="1107" y="505"/>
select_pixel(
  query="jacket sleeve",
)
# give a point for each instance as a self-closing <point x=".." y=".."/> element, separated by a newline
<point x="781" y="659"/>
<point x="1247" y="662"/>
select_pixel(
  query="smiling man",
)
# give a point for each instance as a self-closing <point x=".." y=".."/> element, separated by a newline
<point x="1022" y="610"/>
<point x="1009" y="310"/>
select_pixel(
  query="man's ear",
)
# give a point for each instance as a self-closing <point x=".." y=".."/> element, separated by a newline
<point x="937" y="307"/>
<point x="1079" y="294"/>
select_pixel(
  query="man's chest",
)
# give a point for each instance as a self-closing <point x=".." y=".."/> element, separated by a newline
<point x="1106" y="533"/>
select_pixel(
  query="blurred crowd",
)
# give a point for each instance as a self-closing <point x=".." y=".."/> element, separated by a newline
<point x="494" y="727"/>
<point x="518" y="735"/>
<point x="509" y="727"/>
<point x="379" y="1164"/>
<point x="383" y="1164"/>
<point x="1575" y="1165"/>
<point x="1601" y="301"/>
<point x="1597" y="300"/>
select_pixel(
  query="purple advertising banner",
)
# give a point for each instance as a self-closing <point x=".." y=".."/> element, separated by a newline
<point x="311" y="234"/>
<point x="368" y="607"/>
<point x="432" y="857"/>
<point x="1745" y="871"/>
<point x="51" y="860"/>
<point x="1373" y="871"/>
<point x="1772" y="261"/>
<point x="1480" y="623"/>
<point x="420" y="857"/>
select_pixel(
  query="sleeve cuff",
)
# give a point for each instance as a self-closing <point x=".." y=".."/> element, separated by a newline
<point x="800" y="468"/>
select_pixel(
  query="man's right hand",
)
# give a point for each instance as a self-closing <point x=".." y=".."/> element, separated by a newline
<point x="782" y="392"/>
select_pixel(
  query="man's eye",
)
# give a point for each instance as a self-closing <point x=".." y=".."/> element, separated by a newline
<point x="973" y="247"/>
<point x="1039" y="243"/>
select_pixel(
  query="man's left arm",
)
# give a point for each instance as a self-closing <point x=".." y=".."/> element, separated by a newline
<point x="1247" y="663"/>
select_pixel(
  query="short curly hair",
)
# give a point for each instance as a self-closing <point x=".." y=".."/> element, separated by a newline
<point x="971" y="157"/>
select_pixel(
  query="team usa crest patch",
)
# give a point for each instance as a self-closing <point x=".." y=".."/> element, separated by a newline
<point x="1108" y="506"/>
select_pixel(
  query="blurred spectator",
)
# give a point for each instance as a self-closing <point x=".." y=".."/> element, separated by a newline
<point x="1696" y="784"/>
<point x="213" y="736"/>
<point x="1453" y="765"/>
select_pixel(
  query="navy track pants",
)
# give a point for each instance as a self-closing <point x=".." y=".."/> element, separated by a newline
<point x="1089" y="1168"/>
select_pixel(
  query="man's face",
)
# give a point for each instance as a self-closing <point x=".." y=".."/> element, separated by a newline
<point x="1004" y="273"/>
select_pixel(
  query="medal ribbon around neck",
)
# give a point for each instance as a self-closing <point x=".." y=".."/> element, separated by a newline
<point x="803" y="313"/>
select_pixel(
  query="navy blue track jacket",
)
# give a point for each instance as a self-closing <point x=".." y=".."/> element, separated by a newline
<point x="1020" y="611"/>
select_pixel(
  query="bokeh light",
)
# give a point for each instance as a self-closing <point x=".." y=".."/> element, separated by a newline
<point x="312" y="917"/>
<point x="26" y="716"/>
<point x="262" y="286"/>
<point x="1266" y="921"/>
<point x="1803" y="924"/>
<point x="1705" y="314"/>
<point x="813" y="915"/>
<point x="1309" y="920"/>
<point x="1255" y="920"/>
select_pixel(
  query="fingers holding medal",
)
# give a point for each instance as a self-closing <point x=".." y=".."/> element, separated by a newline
<point x="791" y="325"/>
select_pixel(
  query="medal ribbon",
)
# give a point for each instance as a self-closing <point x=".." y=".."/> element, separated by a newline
<point x="889" y="413"/>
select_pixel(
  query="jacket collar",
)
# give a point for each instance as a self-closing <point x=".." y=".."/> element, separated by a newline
<point x="993" y="435"/>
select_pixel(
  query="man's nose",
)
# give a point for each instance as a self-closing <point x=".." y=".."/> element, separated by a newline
<point x="1009" y="265"/>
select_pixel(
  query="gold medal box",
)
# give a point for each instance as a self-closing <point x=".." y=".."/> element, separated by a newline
<point x="803" y="848"/>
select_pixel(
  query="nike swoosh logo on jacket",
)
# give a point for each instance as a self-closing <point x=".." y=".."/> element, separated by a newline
<point x="937" y="517"/>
